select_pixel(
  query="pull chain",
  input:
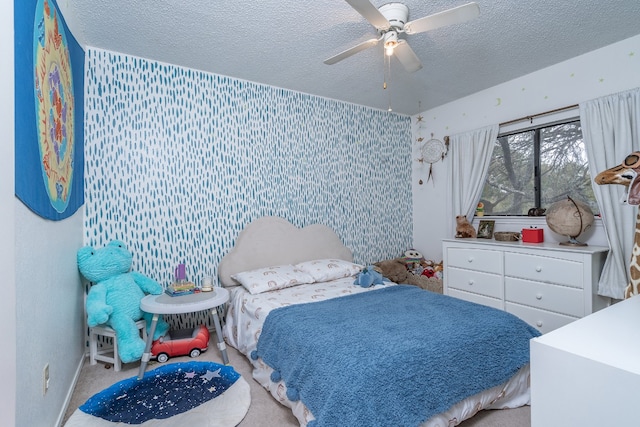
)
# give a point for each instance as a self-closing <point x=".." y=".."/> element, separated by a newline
<point x="387" y="77"/>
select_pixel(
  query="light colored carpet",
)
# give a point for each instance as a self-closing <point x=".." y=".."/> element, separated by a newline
<point x="264" y="410"/>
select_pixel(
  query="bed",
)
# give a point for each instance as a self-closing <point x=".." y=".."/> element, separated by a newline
<point x="340" y="354"/>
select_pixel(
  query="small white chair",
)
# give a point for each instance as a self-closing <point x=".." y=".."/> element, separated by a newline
<point x="109" y="355"/>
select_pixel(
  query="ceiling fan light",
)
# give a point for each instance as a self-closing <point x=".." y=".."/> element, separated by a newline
<point x="388" y="50"/>
<point x="390" y="42"/>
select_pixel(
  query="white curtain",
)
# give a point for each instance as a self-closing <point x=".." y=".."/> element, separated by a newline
<point x="611" y="131"/>
<point x="470" y="155"/>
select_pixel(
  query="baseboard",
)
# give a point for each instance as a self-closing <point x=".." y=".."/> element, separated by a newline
<point x="67" y="399"/>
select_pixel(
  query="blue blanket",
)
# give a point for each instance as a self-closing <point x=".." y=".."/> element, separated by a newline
<point x="390" y="357"/>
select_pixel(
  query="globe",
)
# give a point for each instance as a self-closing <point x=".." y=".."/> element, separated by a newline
<point x="570" y="218"/>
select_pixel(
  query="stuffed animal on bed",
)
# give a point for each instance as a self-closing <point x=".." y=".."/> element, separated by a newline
<point x="369" y="276"/>
<point x="114" y="298"/>
<point x="393" y="269"/>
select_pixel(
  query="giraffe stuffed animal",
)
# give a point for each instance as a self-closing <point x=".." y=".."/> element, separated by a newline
<point x="628" y="173"/>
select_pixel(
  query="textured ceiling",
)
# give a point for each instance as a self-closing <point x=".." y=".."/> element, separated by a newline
<point x="284" y="43"/>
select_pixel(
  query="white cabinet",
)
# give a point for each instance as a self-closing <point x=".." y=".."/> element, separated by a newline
<point x="545" y="284"/>
<point x="586" y="374"/>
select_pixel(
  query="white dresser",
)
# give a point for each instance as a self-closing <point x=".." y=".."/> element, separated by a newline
<point x="545" y="284"/>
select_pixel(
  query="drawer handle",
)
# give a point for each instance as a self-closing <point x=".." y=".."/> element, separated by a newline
<point x="471" y="281"/>
<point x="539" y="296"/>
<point x="539" y="323"/>
<point x="538" y="269"/>
<point x="470" y="259"/>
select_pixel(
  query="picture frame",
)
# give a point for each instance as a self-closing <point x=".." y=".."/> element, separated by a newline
<point x="485" y="229"/>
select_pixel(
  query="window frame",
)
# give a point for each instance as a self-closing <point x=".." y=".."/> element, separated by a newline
<point x="568" y="116"/>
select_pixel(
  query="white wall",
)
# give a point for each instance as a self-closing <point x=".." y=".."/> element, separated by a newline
<point x="41" y="306"/>
<point x="7" y="237"/>
<point x="612" y="69"/>
<point x="49" y="306"/>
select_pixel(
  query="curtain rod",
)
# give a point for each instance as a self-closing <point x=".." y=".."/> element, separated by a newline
<point x="533" y="116"/>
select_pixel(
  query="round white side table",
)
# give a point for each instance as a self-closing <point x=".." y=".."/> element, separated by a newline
<point x="166" y="304"/>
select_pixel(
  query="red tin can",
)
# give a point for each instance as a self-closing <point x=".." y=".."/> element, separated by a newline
<point x="532" y="235"/>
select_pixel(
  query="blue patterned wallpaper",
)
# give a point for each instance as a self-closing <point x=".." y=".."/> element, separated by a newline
<point x="178" y="161"/>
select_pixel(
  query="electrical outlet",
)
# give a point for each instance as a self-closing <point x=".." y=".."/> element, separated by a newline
<point x="45" y="379"/>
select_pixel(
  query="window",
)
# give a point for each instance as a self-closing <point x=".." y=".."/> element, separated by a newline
<point x="535" y="168"/>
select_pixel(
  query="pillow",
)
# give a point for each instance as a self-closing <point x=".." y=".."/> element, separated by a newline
<point x="324" y="270"/>
<point x="272" y="278"/>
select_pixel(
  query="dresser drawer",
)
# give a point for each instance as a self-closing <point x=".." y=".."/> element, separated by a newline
<point x="545" y="284"/>
<point x="543" y="269"/>
<point x="475" y="281"/>
<point x="478" y="299"/>
<point x="561" y="299"/>
<point x="475" y="259"/>
<point x="544" y="321"/>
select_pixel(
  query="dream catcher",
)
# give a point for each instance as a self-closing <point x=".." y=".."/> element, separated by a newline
<point x="433" y="151"/>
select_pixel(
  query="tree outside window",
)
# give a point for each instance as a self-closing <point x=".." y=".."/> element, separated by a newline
<point x="537" y="167"/>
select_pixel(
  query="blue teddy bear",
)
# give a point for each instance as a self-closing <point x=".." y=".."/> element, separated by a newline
<point x="114" y="298"/>
<point x="369" y="277"/>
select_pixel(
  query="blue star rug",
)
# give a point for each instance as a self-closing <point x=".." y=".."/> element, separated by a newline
<point x="192" y="393"/>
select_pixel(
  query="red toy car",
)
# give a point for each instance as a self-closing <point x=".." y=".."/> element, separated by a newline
<point x="181" y="342"/>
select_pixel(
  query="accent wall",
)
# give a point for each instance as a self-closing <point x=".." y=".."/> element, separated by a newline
<point x="178" y="161"/>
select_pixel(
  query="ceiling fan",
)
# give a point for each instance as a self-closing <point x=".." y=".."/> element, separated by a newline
<point x="390" y="20"/>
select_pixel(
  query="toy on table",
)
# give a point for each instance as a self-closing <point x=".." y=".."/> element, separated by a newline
<point x="181" y="342"/>
<point x="114" y="298"/>
<point x="180" y="285"/>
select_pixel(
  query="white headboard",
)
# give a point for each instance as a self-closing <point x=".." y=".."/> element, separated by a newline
<point x="271" y="240"/>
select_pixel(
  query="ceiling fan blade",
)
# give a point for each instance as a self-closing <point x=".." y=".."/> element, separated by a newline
<point x="352" y="51"/>
<point x="407" y="57"/>
<point x="370" y="13"/>
<point x="456" y="15"/>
